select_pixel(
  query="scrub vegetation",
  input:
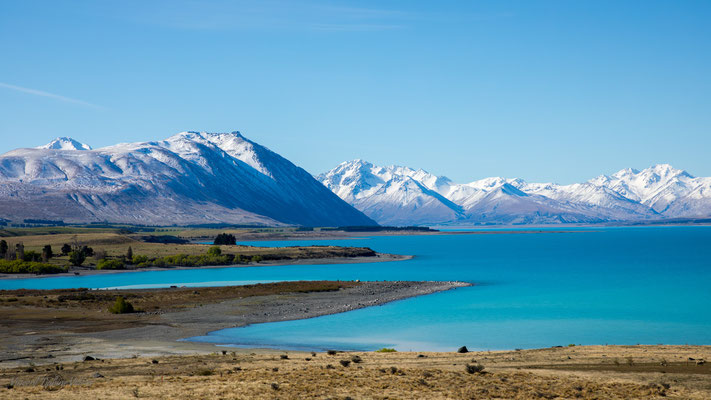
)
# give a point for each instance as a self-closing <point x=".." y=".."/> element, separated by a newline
<point x="30" y="250"/>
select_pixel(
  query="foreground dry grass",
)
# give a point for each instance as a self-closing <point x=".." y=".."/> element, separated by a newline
<point x="590" y="373"/>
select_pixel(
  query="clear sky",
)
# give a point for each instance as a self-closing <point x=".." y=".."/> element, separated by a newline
<point x="544" y="90"/>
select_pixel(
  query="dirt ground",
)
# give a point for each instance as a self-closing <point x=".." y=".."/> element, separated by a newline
<point x="590" y="372"/>
<point x="44" y="326"/>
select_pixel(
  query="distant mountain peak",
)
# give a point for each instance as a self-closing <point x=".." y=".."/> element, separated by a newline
<point x="625" y="172"/>
<point x="403" y="195"/>
<point x="65" y="143"/>
<point x="667" y="170"/>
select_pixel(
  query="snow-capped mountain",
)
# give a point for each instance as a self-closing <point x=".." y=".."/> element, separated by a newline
<point x="65" y="143"/>
<point x="669" y="191"/>
<point x="189" y="178"/>
<point x="392" y="195"/>
<point x="403" y="196"/>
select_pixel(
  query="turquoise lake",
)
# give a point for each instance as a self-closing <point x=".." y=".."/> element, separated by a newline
<point x="646" y="285"/>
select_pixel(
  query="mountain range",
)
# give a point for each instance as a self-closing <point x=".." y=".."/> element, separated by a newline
<point x="189" y="178"/>
<point x="397" y="195"/>
<point x="202" y="178"/>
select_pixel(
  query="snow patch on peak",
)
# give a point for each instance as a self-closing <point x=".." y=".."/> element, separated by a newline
<point x="232" y="143"/>
<point x="666" y="170"/>
<point x="625" y="172"/>
<point x="65" y="143"/>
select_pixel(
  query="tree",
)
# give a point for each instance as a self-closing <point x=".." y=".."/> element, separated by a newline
<point x="76" y="258"/>
<point x="225" y="239"/>
<point x="3" y="248"/>
<point x="47" y="253"/>
<point x="214" y="251"/>
<point x="87" y="251"/>
<point x="31" y="256"/>
<point x="129" y="254"/>
<point x="66" y="249"/>
<point x="20" y="251"/>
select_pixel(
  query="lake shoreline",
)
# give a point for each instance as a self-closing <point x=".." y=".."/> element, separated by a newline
<point x="349" y="235"/>
<point x="37" y="335"/>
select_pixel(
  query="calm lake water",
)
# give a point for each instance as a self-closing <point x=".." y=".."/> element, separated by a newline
<point x="590" y="286"/>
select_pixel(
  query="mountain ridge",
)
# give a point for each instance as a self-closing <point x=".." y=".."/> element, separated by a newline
<point x="655" y="193"/>
<point x="189" y="178"/>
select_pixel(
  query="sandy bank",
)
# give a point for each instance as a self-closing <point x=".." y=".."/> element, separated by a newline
<point x="36" y="334"/>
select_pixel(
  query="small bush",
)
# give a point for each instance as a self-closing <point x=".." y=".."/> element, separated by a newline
<point x="139" y="259"/>
<point x="356" y="359"/>
<point x="121" y="306"/>
<point x="345" y="363"/>
<point x="474" y="368"/>
<point x="256" y="259"/>
<point x="205" y="372"/>
<point x="331" y="352"/>
<point x="184" y="260"/>
<point x="214" y="251"/>
<point x="29" y="267"/>
<point x="386" y="350"/>
<point x="109" y="264"/>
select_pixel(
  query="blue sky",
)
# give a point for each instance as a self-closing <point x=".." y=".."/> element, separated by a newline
<point x="543" y="90"/>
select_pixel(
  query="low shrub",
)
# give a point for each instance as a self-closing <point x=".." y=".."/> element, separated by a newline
<point x="474" y="368"/>
<point x="139" y="259"/>
<point x="121" y="306"/>
<point x="185" y="260"/>
<point x="386" y="350"/>
<point x="29" y="267"/>
<point x="109" y="264"/>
